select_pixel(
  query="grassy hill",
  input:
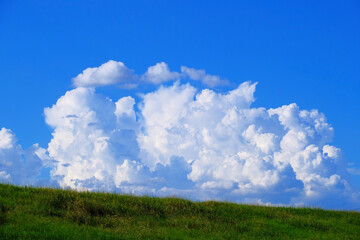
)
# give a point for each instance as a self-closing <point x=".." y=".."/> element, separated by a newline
<point x="38" y="213"/>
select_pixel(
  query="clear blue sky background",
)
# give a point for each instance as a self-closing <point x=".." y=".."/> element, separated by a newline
<point x="299" y="51"/>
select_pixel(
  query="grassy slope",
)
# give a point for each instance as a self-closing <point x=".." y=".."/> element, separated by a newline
<point x="34" y="213"/>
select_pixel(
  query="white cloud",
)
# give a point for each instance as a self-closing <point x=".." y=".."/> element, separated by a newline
<point x="116" y="73"/>
<point x="203" y="145"/>
<point x="109" y="73"/>
<point x="235" y="150"/>
<point x="19" y="166"/>
<point x="201" y="75"/>
<point x="181" y="141"/>
<point x="92" y="136"/>
<point x="160" y="73"/>
<point x="95" y="145"/>
<point x="7" y="139"/>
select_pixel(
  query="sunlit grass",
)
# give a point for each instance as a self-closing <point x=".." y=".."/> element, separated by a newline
<point x="42" y="213"/>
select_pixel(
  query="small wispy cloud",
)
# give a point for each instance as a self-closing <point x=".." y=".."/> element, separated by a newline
<point x="116" y="73"/>
<point x="201" y="75"/>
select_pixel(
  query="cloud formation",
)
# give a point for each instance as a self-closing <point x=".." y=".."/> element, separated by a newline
<point x="160" y="73"/>
<point x="179" y="140"/>
<point x="234" y="151"/>
<point x="19" y="166"/>
<point x="116" y="73"/>
<point x="201" y="75"/>
<point x="109" y="73"/>
<point x="92" y="137"/>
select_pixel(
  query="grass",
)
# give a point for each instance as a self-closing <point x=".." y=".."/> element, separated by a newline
<point x="44" y="213"/>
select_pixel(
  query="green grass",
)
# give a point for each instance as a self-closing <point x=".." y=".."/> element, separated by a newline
<point x="41" y="213"/>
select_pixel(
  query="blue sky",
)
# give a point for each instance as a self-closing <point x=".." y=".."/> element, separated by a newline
<point x="302" y="52"/>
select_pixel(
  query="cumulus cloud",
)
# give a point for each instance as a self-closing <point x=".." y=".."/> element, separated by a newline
<point x="160" y="73"/>
<point x="19" y="166"/>
<point x="234" y="151"/>
<point x="201" y="75"/>
<point x="109" y="73"/>
<point x="92" y="135"/>
<point x="179" y="140"/>
<point x="202" y="145"/>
